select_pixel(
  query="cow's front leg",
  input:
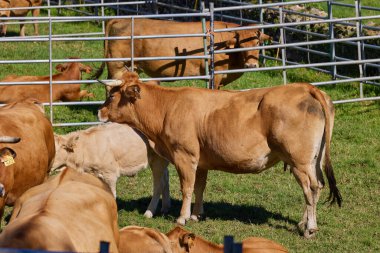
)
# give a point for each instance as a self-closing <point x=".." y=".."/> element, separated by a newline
<point x="200" y="185"/>
<point x="22" y="29"/>
<point x="186" y="168"/>
<point x="36" y="13"/>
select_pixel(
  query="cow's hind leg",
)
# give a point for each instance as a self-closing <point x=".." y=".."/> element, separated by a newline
<point x="307" y="178"/>
<point x="36" y="13"/>
<point x="199" y="188"/>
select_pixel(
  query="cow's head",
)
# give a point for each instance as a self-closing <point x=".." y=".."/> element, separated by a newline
<point x="122" y="96"/>
<point x="247" y="39"/>
<point x="68" y="65"/>
<point x="181" y="240"/>
<point x="62" y="148"/>
<point x="7" y="156"/>
<point x="3" y="5"/>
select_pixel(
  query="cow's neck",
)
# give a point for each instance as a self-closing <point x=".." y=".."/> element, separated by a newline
<point x="150" y="110"/>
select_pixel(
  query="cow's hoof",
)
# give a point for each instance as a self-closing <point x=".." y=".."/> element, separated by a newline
<point x="181" y="221"/>
<point x="195" y="217"/>
<point x="302" y="227"/>
<point x="310" y="233"/>
<point x="148" y="214"/>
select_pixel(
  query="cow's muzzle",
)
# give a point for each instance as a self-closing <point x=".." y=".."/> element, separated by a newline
<point x="251" y="65"/>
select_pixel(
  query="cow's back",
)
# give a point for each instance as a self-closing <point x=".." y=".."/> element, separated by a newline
<point x="76" y="210"/>
<point x="36" y="150"/>
<point x="110" y="148"/>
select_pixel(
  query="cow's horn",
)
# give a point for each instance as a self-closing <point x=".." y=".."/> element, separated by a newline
<point x="9" y="139"/>
<point x="111" y="83"/>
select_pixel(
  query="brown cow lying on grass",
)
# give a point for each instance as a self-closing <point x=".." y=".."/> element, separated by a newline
<point x="70" y="212"/>
<point x="178" y="47"/>
<point x="61" y="92"/>
<point x="110" y="151"/>
<point x="183" y="241"/>
<point x="19" y="13"/>
<point x="178" y="240"/>
<point x="234" y="131"/>
<point x="32" y="156"/>
<point x="135" y="239"/>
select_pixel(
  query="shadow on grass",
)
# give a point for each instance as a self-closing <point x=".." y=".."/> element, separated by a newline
<point x="214" y="210"/>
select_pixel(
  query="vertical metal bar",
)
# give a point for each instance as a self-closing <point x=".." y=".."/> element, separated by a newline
<point x="132" y="43"/>
<point x="332" y="44"/>
<point x="50" y="63"/>
<point x="103" y="21"/>
<point x="262" y="22"/>
<point x="237" y="248"/>
<point x="241" y="15"/>
<point x="204" y="30"/>
<point x="212" y="54"/>
<point x="358" y="34"/>
<point x="104" y="247"/>
<point x="59" y="4"/>
<point x="283" y="50"/>
<point x="228" y="244"/>
<point x="118" y="9"/>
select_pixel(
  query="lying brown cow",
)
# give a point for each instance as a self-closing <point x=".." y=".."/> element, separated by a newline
<point x="178" y="47"/>
<point x="61" y="92"/>
<point x="234" y="131"/>
<point x="19" y="13"/>
<point x="70" y="212"/>
<point x="110" y="151"/>
<point x="32" y="156"/>
<point x="135" y="239"/>
<point x="183" y="241"/>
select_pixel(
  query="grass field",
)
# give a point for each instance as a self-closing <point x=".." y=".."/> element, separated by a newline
<point x="269" y="204"/>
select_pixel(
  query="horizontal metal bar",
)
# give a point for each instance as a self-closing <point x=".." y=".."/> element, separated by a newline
<point x="353" y="6"/>
<point x="282" y="25"/>
<point x="250" y="6"/>
<point x="371" y="78"/>
<point x="316" y="42"/>
<point x="356" y="100"/>
<point x="320" y="64"/>
<point x="73" y="6"/>
<point x="77" y="124"/>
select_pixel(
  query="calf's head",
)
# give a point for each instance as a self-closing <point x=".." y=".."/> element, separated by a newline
<point x="247" y="39"/>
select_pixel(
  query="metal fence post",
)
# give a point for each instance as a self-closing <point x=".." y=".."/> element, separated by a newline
<point x="132" y="43"/>
<point x="50" y="63"/>
<point x="212" y="74"/>
<point x="104" y="247"/>
<point x="283" y="50"/>
<point x="204" y="30"/>
<point x="228" y="244"/>
<point x="237" y="248"/>
<point x="262" y="22"/>
<point x="359" y="43"/>
<point x="331" y="36"/>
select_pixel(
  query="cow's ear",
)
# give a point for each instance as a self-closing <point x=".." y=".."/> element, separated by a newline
<point x="133" y="92"/>
<point x="60" y="67"/>
<point x="188" y="239"/>
<point x="7" y="155"/>
<point x="264" y="38"/>
<point x="231" y="43"/>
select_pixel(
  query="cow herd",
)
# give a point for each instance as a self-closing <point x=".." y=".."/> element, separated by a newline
<point x="146" y="124"/>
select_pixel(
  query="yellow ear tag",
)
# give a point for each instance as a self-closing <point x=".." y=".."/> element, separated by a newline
<point x="8" y="160"/>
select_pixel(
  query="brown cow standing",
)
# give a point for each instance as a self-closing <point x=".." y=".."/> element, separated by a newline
<point x="19" y="13"/>
<point x="34" y="154"/>
<point x="70" y="212"/>
<point x="233" y="131"/>
<point x="178" y="47"/>
<point x="183" y="241"/>
<point x="61" y="92"/>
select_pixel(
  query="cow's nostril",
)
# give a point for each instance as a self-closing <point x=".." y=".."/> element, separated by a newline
<point x="250" y="65"/>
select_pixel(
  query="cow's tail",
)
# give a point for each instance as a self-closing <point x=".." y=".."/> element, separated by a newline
<point x="334" y="195"/>
<point x="100" y="70"/>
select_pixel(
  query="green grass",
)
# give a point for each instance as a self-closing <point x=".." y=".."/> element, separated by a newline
<point x="268" y="204"/>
